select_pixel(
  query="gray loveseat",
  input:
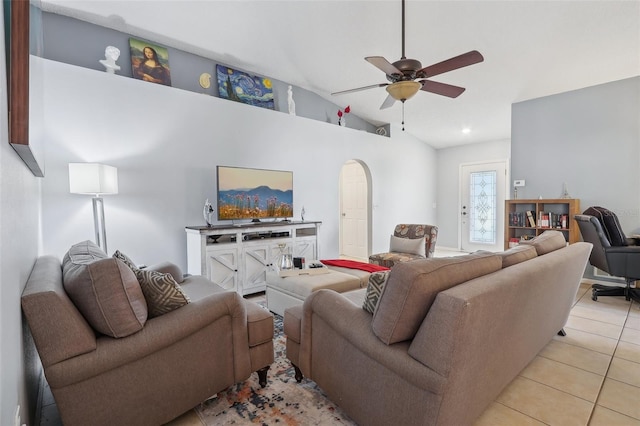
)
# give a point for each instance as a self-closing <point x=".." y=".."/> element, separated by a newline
<point x="446" y="337"/>
<point x="156" y="368"/>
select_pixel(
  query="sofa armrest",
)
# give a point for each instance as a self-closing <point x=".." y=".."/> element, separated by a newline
<point x="44" y="302"/>
<point x="326" y="308"/>
<point x="225" y="308"/>
<point x="168" y="268"/>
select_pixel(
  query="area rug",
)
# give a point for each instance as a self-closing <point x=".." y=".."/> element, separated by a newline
<point x="282" y="402"/>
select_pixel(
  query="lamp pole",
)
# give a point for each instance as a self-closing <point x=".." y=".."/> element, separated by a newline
<point x="98" y="222"/>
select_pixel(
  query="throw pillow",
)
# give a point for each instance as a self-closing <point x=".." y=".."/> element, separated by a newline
<point x="407" y="245"/>
<point x="126" y="259"/>
<point x="104" y="290"/>
<point x="377" y="281"/>
<point x="162" y="292"/>
<point x="547" y="242"/>
<point x="517" y="254"/>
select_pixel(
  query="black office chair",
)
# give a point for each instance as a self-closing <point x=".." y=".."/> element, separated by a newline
<point x="621" y="258"/>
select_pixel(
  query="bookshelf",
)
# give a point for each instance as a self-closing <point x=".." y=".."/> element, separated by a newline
<point x="526" y="219"/>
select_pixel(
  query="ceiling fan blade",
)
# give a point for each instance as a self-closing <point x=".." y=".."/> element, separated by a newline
<point x="454" y="63"/>
<point x="382" y="64"/>
<point x="388" y="102"/>
<point x="360" y="88"/>
<point x="441" y="88"/>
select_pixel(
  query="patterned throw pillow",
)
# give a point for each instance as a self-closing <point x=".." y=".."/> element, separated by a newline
<point x="162" y="292"/>
<point x="377" y="281"/>
<point x="126" y="259"/>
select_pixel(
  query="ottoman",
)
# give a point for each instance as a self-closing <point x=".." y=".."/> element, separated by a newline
<point x="284" y="292"/>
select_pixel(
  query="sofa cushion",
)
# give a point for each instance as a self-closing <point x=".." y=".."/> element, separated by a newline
<point x="162" y="292"/>
<point x="407" y="245"/>
<point x="104" y="290"/>
<point x="517" y="254"/>
<point x="547" y="242"/>
<point x="413" y="286"/>
<point x="376" y="284"/>
<point x="390" y="259"/>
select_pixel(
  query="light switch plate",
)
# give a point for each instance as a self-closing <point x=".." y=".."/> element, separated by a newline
<point x="519" y="182"/>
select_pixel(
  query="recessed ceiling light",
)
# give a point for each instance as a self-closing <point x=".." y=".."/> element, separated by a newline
<point x="466" y="130"/>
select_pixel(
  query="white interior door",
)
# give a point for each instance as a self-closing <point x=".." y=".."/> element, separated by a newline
<point x="483" y="188"/>
<point x="353" y="211"/>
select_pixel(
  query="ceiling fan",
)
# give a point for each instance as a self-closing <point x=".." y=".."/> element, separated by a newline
<point x="403" y="74"/>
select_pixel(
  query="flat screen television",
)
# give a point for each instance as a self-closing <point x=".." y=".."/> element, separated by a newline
<point x="246" y="193"/>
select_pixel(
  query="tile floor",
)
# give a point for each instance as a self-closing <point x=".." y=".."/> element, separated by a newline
<point x="589" y="377"/>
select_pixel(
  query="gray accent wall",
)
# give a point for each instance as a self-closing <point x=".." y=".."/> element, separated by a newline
<point x="588" y="139"/>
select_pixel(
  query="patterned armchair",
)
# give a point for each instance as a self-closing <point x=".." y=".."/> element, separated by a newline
<point x="411" y="249"/>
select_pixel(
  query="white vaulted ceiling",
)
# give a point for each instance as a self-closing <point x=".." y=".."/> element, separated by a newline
<point x="531" y="49"/>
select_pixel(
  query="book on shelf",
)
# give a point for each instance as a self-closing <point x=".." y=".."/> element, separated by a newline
<point x="553" y="220"/>
<point x="532" y="222"/>
<point x="543" y="219"/>
<point x="523" y="219"/>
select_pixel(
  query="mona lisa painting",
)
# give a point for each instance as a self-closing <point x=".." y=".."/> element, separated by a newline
<point x="150" y="62"/>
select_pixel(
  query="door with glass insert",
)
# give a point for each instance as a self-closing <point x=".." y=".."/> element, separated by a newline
<point x="483" y="189"/>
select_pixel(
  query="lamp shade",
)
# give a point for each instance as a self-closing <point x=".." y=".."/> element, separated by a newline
<point x="403" y="90"/>
<point x="92" y="178"/>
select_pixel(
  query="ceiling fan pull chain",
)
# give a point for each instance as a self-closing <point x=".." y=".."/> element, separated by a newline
<point x="403" y="116"/>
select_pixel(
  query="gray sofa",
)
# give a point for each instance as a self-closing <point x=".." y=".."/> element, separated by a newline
<point x="156" y="368"/>
<point x="446" y="337"/>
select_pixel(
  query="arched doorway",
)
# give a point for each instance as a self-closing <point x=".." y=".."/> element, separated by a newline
<point x="355" y="211"/>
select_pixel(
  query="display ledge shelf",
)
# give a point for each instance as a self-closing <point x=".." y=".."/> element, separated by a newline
<point x="182" y="73"/>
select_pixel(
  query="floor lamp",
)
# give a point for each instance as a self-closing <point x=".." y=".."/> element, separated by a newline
<point x="94" y="179"/>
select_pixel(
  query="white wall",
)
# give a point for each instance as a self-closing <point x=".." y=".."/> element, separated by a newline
<point x="166" y="143"/>
<point x="449" y="161"/>
<point x="19" y="236"/>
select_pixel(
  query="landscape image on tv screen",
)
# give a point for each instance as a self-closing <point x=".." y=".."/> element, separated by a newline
<point x="245" y="193"/>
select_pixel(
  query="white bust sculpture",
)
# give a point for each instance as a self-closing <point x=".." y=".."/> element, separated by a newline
<point x="292" y="104"/>
<point x="111" y="55"/>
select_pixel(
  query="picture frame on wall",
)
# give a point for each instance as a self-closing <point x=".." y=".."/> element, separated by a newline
<point x="18" y="47"/>
<point x="150" y="62"/>
<point x="241" y="87"/>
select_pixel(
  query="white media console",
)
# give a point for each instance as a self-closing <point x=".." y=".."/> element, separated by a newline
<point x="237" y="257"/>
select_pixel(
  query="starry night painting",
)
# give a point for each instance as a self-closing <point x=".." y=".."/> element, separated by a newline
<point x="242" y="87"/>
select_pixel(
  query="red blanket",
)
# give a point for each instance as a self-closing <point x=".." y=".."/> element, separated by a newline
<point x="352" y="264"/>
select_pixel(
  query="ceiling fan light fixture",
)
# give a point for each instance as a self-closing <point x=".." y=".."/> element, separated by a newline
<point x="403" y="90"/>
